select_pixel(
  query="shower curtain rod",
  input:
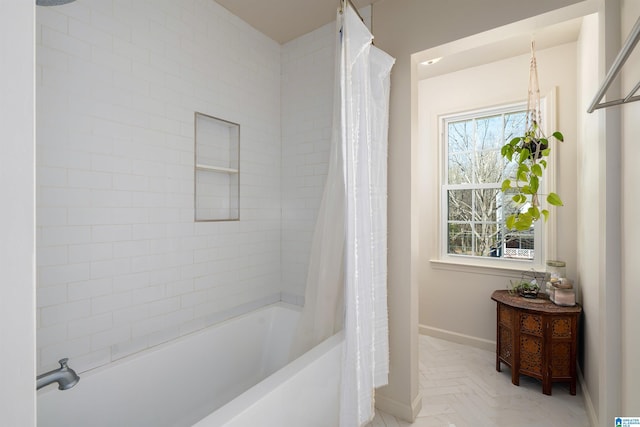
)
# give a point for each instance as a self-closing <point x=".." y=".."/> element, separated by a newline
<point x="629" y="44"/>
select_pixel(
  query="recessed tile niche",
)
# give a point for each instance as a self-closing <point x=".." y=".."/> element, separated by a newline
<point x="217" y="169"/>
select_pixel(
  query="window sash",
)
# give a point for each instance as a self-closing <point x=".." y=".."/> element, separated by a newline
<point x="473" y="185"/>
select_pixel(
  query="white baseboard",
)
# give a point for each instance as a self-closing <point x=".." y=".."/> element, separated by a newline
<point x="588" y="404"/>
<point x="400" y="410"/>
<point x="458" y="338"/>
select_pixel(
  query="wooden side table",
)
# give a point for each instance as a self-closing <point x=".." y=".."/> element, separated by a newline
<point x="537" y="338"/>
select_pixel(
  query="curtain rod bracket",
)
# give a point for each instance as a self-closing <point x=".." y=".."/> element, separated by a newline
<point x="343" y="5"/>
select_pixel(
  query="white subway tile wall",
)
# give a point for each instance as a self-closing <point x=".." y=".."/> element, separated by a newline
<point x="121" y="264"/>
<point x="307" y="115"/>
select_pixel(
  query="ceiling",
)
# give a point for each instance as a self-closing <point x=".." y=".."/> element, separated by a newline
<point x="506" y="46"/>
<point x="285" y="20"/>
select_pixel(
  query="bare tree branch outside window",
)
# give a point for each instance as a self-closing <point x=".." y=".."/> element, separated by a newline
<point x="475" y="169"/>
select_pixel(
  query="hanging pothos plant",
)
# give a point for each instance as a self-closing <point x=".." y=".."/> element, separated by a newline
<point x="530" y="152"/>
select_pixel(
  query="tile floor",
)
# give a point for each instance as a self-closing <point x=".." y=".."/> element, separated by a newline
<point x="461" y="388"/>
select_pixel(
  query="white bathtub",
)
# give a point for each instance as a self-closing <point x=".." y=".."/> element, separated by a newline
<point x="231" y="374"/>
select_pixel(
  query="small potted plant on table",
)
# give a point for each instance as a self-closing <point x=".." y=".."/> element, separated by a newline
<point x="525" y="289"/>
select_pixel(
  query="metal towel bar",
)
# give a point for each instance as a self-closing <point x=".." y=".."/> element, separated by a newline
<point x="629" y="44"/>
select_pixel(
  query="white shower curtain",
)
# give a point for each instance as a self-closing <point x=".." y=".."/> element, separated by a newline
<point x="347" y="278"/>
<point x="365" y="103"/>
<point x="323" y="312"/>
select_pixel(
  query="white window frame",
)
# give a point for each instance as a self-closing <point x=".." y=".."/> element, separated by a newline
<point x="545" y="233"/>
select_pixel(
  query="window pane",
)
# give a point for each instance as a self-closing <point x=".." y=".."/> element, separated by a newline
<point x="460" y="239"/>
<point x="514" y="124"/>
<point x="510" y="171"/>
<point x="486" y="240"/>
<point x="460" y="208"/>
<point x="509" y="207"/>
<point x="459" y="166"/>
<point x="489" y="133"/>
<point x="486" y="204"/>
<point x="489" y="167"/>
<point x="460" y="136"/>
<point x="519" y="245"/>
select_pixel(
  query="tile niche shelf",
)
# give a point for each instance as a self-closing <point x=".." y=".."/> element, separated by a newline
<point x="217" y="169"/>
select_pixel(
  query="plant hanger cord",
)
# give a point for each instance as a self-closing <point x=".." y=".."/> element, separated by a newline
<point x="534" y="115"/>
<point x="529" y="152"/>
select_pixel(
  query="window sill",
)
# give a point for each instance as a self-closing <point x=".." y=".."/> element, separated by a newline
<point x="478" y="268"/>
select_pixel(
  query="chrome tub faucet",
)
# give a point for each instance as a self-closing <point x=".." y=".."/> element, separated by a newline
<point x="64" y="376"/>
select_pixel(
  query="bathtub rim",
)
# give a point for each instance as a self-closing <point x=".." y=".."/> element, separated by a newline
<point x="235" y="407"/>
<point x="147" y="352"/>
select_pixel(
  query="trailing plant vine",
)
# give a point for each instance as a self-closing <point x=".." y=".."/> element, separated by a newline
<point x="530" y="152"/>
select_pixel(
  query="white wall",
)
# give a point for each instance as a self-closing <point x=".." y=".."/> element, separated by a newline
<point x="609" y="332"/>
<point x="17" y="216"/>
<point x="402" y="29"/>
<point x="588" y="176"/>
<point x="448" y="290"/>
<point x="307" y="112"/>
<point x="630" y="404"/>
<point x="121" y="264"/>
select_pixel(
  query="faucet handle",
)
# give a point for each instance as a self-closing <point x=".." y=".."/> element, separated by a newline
<point x="63" y="362"/>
